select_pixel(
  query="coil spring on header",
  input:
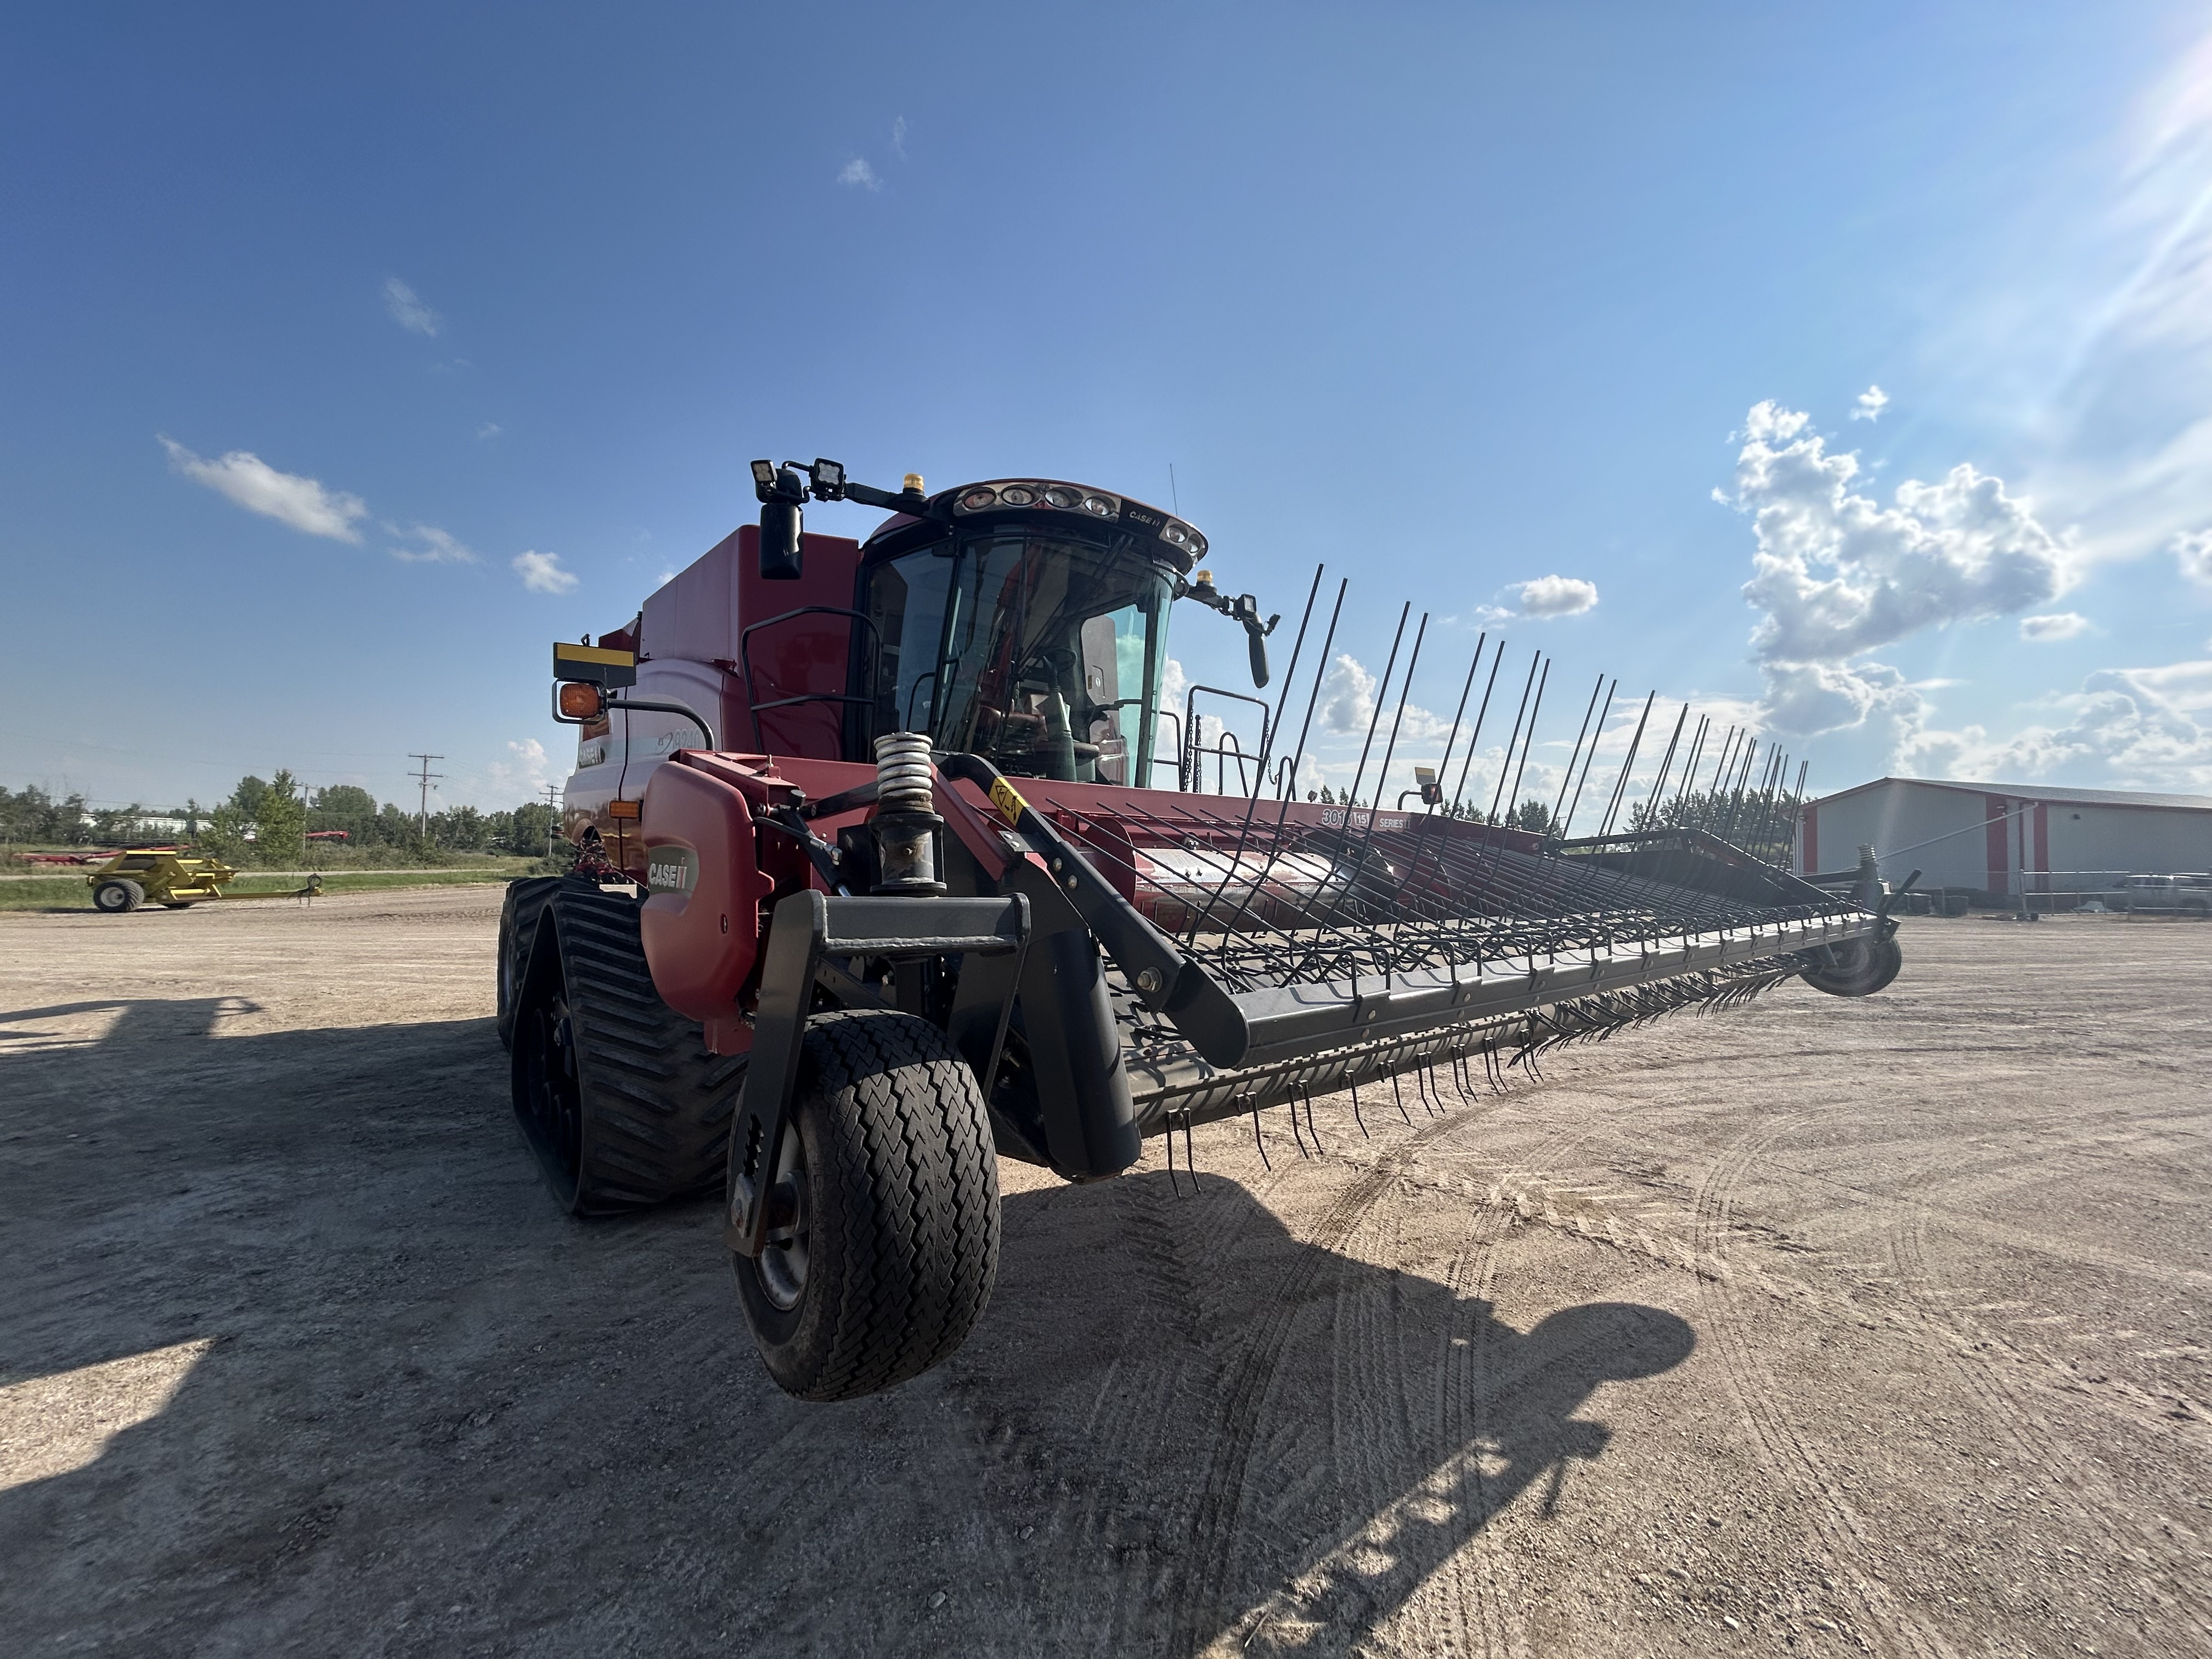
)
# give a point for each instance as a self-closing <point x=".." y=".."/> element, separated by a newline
<point x="905" y="779"/>
<point x="905" y="821"/>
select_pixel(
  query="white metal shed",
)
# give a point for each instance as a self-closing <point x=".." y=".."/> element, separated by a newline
<point x="2003" y="838"/>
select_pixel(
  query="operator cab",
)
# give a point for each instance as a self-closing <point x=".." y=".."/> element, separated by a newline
<point x="1025" y="621"/>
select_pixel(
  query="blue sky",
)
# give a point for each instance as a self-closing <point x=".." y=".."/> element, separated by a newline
<point x="318" y="323"/>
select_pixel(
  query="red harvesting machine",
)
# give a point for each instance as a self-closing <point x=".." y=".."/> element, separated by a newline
<point x="871" y="891"/>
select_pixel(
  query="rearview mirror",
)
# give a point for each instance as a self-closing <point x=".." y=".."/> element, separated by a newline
<point x="781" y="527"/>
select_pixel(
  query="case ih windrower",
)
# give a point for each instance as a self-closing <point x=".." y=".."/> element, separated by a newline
<point x="869" y="896"/>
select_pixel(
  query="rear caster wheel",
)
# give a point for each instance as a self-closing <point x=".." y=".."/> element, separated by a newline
<point x="1861" y="967"/>
<point x="891" y="1240"/>
<point x="118" y="896"/>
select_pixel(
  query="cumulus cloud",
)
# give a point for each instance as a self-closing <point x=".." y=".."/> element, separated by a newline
<point x="1347" y="696"/>
<point x="2193" y="553"/>
<point x="1555" y="595"/>
<point x="858" y="172"/>
<point x="1871" y="403"/>
<point x="1837" y="574"/>
<point x="526" y="770"/>
<point x="406" y="308"/>
<point x="434" y="546"/>
<point x="2139" y="728"/>
<point x="2045" y="630"/>
<point x="1175" y="686"/>
<point x="247" y="479"/>
<point x="541" y="573"/>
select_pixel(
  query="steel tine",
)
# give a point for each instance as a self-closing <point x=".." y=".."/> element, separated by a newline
<point x="1189" y="1153"/>
<point x="1590" y="759"/>
<point x="1312" y="1128"/>
<point x="1512" y="805"/>
<point x="1474" y="738"/>
<point x="1568" y="776"/>
<point x="1381" y="690"/>
<point x="1398" y="1098"/>
<point x="1356" y="1117"/>
<point x="1258" y="1139"/>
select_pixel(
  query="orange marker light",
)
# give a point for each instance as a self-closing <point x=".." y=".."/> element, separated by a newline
<point x="580" y="701"/>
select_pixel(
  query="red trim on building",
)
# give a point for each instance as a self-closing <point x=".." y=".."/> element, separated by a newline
<point x="1812" y="839"/>
<point x="1994" y="839"/>
<point x="2043" y="844"/>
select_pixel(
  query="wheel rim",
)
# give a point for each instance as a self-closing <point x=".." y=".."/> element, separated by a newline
<point x="781" y="1264"/>
<point x="552" y="1092"/>
<point x="111" y="898"/>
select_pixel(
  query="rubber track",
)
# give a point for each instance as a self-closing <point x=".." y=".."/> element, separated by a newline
<point x="518" y="912"/>
<point x="919" y="1207"/>
<point x="657" y="1105"/>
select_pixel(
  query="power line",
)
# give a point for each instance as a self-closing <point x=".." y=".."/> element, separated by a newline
<point x="423" y="816"/>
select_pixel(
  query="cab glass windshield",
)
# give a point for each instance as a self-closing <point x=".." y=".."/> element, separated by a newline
<point x="1041" y="653"/>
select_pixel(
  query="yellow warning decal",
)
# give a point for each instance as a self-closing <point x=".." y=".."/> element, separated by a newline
<point x="1011" y="806"/>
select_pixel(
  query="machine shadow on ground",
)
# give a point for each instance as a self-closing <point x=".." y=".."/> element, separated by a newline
<point x="434" y="1414"/>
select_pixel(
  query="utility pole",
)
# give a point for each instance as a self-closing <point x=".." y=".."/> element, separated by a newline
<point x="553" y="807"/>
<point x="424" y="777"/>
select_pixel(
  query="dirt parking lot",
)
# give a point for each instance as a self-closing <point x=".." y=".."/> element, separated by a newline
<point x="1818" y="1327"/>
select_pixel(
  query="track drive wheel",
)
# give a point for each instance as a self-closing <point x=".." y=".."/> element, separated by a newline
<point x="517" y="927"/>
<point x="1862" y="966"/>
<point x="615" y="1090"/>
<point x="117" y="895"/>
<point x="889" y="1260"/>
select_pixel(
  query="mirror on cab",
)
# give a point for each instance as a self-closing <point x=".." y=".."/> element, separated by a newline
<point x="1248" y="612"/>
<point x="780" y="490"/>
<point x="781" y="559"/>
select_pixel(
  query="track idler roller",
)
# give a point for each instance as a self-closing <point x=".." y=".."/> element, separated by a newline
<point x="1856" y="968"/>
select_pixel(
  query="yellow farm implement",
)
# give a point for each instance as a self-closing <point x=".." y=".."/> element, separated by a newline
<point x="170" y="880"/>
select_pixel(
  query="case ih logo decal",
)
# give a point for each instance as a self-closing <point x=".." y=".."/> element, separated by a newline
<point x="671" y="869"/>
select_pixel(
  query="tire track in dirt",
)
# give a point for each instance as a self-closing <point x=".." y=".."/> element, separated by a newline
<point x="1200" y="1613"/>
<point x="1971" y="1352"/>
<point x="1408" y="1456"/>
<point x="1786" y="1453"/>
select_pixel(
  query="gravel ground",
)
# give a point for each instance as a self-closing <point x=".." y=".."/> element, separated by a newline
<point x="1818" y="1327"/>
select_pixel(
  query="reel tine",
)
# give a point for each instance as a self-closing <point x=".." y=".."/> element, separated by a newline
<point x="1258" y="1139"/>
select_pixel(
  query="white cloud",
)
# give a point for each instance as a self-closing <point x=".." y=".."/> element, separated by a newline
<point x="898" y="136"/>
<point x="2127" y="728"/>
<point x="1347" y="696"/>
<point x="2193" y="553"/>
<point x="258" y="487"/>
<point x="1838" y="574"/>
<point x="1555" y="595"/>
<point x="437" y="546"/>
<point x="541" y="573"/>
<point x="490" y="429"/>
<point x="527" y="771"/>
<point x="2045" y="630"/>
<point x="407" y="309"/>
<point x="1871" y="403"/>
<point x="858" y="171"/>
<point x="1175" y="686"/>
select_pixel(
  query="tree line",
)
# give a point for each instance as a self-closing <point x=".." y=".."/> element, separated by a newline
<point x="267" y="822"/>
